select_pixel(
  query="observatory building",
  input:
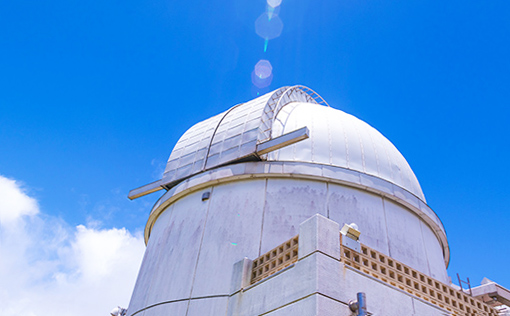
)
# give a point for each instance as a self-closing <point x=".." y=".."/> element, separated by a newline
<point x="285" y="206"/>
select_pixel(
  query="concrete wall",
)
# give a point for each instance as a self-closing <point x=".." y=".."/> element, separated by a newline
<point x="194" y="244"/>
<point x="318" y="284"/>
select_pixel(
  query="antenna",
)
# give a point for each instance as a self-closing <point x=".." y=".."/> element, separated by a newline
<point x="465" y="282"/>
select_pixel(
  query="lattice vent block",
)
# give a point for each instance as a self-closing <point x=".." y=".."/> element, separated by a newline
<point x="275" y="260"/>
<point x="414" y="282"/>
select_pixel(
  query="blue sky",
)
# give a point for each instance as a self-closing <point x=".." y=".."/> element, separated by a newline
<point x="94" y="95"/>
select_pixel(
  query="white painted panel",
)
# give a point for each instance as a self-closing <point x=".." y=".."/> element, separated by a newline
<point x="191" y="146"/>
<point x="252" y="124"/>
<point x="143" y="281"/>
<point x="303" y="169"/>
<point x="434" y="254"/>
<point x="301" y="151"/>
<point x="201" y="154"/>
<point x="219" y="136"/>
<point x="232" y="232"/>
<point x="326" y="306"/>
<point x="349" y="205"/>
<point x="395" y="162"/>
<point x="150" y="264"/>
<point x="294" y="283"/>
<point x="341" y="174"/>
<point x="320" y="142"/>
<point x="337" y="140"/>
<point x="187" y="159"/>
<point x="192" y="141"/>
<point x="212" y="161"/>
<point x="427" y="210"/>
<point x="289" y="202"/>
<point x="354" y="156"/>
<point x="197" y="166"/>
<point x="235" y="130"/>
<point x="304" y="306"/>
<point x="422" y="308"/>
<point x="381" y="145"/>
<point x="382" y="300"/>
<point x="407" y="174"/>
<point x="250" y="135"/>
<point x="173" y="309"/>
<point x="281" y="119"/>
<point x="376" y="183"/>
<point x="208" y="307"/>
<point x="183" y="171"/>
<point x="406" y="196"/>
<point x="230" y="154"/>
<point x="247" y="148"/>
<point x="308" y="149"/>
<point x="176" y="153"/>
<point x="369" y="154"/>
<point x="178" y="248"/>
<point x="405" y="238"/>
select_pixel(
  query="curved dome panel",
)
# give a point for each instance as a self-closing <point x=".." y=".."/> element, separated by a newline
<point x="336" y="139"/>
<point x="231" y="135"/>
<point x="342" y="140"/>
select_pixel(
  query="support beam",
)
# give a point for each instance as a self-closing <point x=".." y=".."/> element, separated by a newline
<point x="145" y="189"/>
<point x="283" y="141"/>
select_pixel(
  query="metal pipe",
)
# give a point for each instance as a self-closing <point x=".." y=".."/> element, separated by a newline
<point x="359" y="306"/>
<point x="362" y="304"/>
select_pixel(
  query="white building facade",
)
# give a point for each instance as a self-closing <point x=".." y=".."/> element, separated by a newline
<point x="286" y="167"/>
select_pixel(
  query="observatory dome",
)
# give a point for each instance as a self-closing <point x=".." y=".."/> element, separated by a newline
<point x="335" y="138"/>
<point x="240" y="183"/>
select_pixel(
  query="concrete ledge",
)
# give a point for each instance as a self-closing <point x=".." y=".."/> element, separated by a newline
<point x="319" y="233"/>
<point x="241" y="275"/>
<point x="313" y="305"/>
<point x="268" y="295"/>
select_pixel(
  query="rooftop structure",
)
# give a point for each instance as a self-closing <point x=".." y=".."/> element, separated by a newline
<point x="250" y="220"/>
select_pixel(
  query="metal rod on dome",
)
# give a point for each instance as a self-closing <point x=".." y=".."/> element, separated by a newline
<point x="145" y="189"/>
<point x="283" y="141"/>
<point x="261" y="149"/>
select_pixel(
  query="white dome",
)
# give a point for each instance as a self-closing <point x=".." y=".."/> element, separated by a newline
<point x="285" y="164"/>
<point x="336" y="138"/>
<point x="291" y="133"/>
<point x="342" y="140"/>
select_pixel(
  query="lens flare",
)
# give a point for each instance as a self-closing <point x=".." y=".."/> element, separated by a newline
<point x="274" y="3"/>
<point x="260" y="82"/>
<point x="272" y="11"/>
<point x="268" y="28"/>
<point x="263" y="69"/>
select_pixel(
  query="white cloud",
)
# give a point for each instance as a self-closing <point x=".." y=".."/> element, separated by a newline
<point x="49" y="268"/>
<point x="14" y="202"/>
